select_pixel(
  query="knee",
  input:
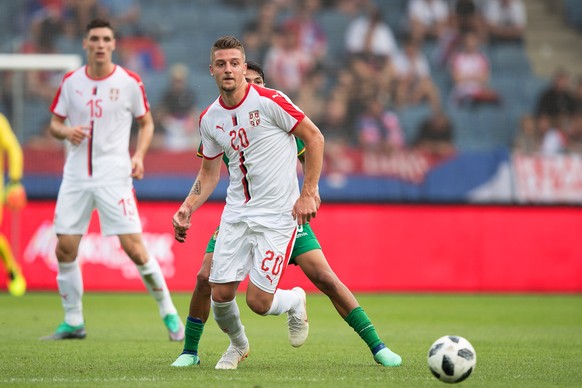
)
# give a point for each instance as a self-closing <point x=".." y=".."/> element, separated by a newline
<point x="66" y="253"/>
<point x="259" y="304"/>
<point x="258" y="307"/>
<point x="202" y="283"/>
<point x="222" y="294"/>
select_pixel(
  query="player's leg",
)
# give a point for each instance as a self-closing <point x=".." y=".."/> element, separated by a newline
<point x="229" y="267"/>
<point x="227" y="316"/>
<point x="16" y="283"/>
<point x="153" y="278"/>
<point x="308" y="255"/>
<point x="198" y="314"/>
<point x="70" y="284"/>
<point x="72" y="215"/>
<point x="271" y="256"/>
<point x="118" y="215"/>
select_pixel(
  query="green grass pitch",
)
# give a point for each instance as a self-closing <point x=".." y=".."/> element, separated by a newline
<point x="521" y="341"/>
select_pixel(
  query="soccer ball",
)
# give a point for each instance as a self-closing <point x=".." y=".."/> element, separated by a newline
<point x="451" y="359"/>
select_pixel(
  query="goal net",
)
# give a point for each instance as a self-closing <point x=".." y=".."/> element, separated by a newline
<point x="27" y="84"/>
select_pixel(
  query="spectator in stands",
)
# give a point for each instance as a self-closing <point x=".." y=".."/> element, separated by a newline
<point x="286" y="64"/>
<point x="557" y="101"/>
<point x="470" y="72"/>
<point x="435" y="137"/>
<point x="427" y="18"/>
<point x="368" y="81"/>
<point x="311" y="37"/>
<point x="311" y="97"/>
<point x="529" y="138"/>
<point x="336" y="127"/>
<point x="176" y="113"/>
<point x="379" y="129"/>
<point x="575" y="134"/>
<point x="554" y="138"/>
<point x="465" y="16"/>
<point x="350" y="8"/>
<point x="338" y="122"/>
<point x="43" y="34"/>
<point x="255" y="47"/>
<point x="335" y="123"/>
<point x="370" y="37"/>
<point x="140" y="53"/>
<point x="578" y="94"/>
<point x="266" y="22"/>
<point x="124" y="15"/>
<point x="79" y="13"/>
<point x="413" y="80"/>
<point x="505" y="20"/>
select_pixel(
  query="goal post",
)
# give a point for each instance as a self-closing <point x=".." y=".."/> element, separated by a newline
<point x="18" y="64"/>
<point x="22" y="62"/>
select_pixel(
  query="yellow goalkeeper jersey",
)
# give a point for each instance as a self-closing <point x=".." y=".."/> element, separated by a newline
<point x="11" y="151"/>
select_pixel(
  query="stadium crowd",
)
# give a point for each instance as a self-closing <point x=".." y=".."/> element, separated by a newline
<point x="381" y="77"/>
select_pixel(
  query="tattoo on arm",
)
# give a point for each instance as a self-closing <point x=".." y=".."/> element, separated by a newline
<point x="196" y="188"/>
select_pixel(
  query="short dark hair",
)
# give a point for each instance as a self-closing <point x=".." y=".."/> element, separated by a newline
<point x="225" y="43"/>
<point x="99" y="23"/>
<point x="252" y="65"/>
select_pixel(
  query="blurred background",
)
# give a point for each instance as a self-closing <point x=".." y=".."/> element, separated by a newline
<point x="422" y="102"/>
<point x="419" y="100"/>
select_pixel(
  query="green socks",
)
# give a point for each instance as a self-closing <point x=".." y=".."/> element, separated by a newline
<point x="194" y="329"/>
<point x="361" y="324"/>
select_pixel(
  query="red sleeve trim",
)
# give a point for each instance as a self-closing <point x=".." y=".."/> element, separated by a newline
<point x="295" y="126"/>
<point x="277" y="98"/>
<point x="137" y="78"/>
<point x="58" y="94"/>
<point x="212" y="157"/>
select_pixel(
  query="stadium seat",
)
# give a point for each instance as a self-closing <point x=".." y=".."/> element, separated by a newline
<point x="335" y="24"/>
<point x="509" y="58"/>
<point x="411" y="118"/>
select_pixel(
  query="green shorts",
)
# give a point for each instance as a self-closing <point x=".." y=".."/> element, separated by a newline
<point x="304" y="242"/>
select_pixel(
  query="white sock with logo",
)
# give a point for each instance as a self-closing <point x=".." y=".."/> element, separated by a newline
<point x="70" y="282"/>
<point x="227" y="316"/>
<point x="283" y="302"/>
<point x="154" y="280"/>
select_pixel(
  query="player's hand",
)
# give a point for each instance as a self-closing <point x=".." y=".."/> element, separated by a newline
<point x="306" y="208"/>
<point x="137" y="169"/>
<point x="77" y="134"/>
<point x="15" y="196"/>
<point x="181" y="223"/>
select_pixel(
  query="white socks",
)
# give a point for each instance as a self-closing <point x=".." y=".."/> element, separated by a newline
<point x="154" y="280"/>
<point x="284" y="301"/>
<point x="70" y="282"/>
<point x="227" y="316"/>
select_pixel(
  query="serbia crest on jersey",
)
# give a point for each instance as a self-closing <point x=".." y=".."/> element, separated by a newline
<point x="107" y="107"/>
<point x="256" y="137"/>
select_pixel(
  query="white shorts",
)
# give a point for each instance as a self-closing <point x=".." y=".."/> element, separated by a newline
<point x="243" y="248"/>
<point x="116" y="205"/>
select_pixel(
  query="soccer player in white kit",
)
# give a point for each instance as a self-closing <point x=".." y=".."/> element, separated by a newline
<point x="93" y="111"/>
<point x="253" y="126"/>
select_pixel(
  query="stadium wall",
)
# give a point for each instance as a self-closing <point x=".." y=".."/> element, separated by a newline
<point x="373" y="248"/>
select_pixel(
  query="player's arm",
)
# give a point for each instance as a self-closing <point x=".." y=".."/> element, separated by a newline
<point x="61" y="131"/>
<point x="15" y="193"/>
<point x="308" y="202"/>
<point x="12" y="146"/>
<point x="204" y="185"/>
<point x="144" y="139"/>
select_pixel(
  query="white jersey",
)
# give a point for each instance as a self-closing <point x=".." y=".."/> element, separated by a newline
<point x="256" y="137"/>
<point x="107" y="106"/>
